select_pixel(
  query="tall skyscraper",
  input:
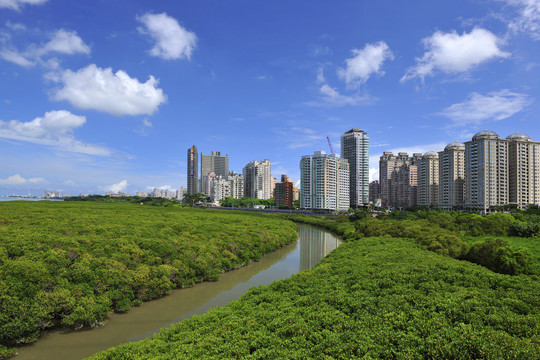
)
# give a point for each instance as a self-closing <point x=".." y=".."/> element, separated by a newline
<point x="213" y="163"/>
<point x="324" y="181"/>
<point x="486" y="171"/>
<point x="355" y="148"/>
<point x="192" y="170"/>
<point x="523" y="170"/>
<point x="258" y="179"/>
<point x="452" y="176"/>
<point x="428" y="180"/>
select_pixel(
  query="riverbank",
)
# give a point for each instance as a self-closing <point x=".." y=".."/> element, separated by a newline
<point x="141" y="322"/>
<point x="69" y="264"/>
<point x="374" y="298"/>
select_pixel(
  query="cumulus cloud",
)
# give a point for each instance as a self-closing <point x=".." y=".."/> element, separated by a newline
<point x="497" y="105"/>
<point x="65" y="42"/>
<point x="121" y="186"/>
<point x="114" y="93"/>
<point x="61" y="41"/>
<point x="55" y="128"/>
<point x="454" y="53"/>
<point x="527" y="19"/>
<point x="19" y="180"/>
<point x="364" y="63"/>
<point x="17" y="4"/>
<point x="172" y="40"/>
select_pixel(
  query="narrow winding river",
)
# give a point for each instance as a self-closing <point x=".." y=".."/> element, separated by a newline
<point x="313" y="244"/>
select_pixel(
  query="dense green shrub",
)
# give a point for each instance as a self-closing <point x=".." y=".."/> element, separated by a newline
<point x="525" y="229"/>
<point x="376" y="298"/>
<point x="496" y="254"/>
<point x="72" y="263"/>
<point x="430" y="235"/>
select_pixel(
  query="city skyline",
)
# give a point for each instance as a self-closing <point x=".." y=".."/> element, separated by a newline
<point x="96" y="98"/>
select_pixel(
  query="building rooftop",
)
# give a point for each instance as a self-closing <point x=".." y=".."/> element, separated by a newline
<point x="456" y="145"/>
<point x="486" y="134"/>
<point x="519" y="137"/>
<point x="431" y="154"/>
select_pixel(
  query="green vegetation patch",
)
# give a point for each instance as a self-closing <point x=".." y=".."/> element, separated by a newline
<point x="373" y="298"/>
<point x="72" y="263"/>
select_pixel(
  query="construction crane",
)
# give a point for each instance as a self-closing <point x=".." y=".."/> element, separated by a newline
<point x="330" y="145"/>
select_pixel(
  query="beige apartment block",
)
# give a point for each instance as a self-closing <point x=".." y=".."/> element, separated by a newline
<point x="486" y="171"/>
<point x="428" y="180"/>
<point x="523" y="170"/>
<point x="452" y="176"/>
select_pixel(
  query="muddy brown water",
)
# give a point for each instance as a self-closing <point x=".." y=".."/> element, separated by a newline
<point x="140" y="322"/>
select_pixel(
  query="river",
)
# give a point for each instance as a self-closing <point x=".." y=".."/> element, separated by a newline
<point x="140" y="322"/>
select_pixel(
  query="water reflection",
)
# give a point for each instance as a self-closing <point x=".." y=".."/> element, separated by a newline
<point x="314" y="245"/>
<point x="140" y="322"/>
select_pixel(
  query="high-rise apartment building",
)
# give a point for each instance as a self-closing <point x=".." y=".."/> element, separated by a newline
<point x="236" y="184"/>
<point x="324" y="181"/>
<point x="374" y="191"/>
<point x="257" y="179"/>
<point x="284" y="192"/>
<point x="273" y="183"/>
<point x="192" y="170"/>
<point x="355" y="148"/>
<point x="452" y="176"/>
<point x="231" y="185"/>
<point x="398" y="179"/>
<point x="486" y="171"/>
<point x="387" y="163"/>
<point x="523" y="170"/>
<point x="428" y="180"/>
<point x="213" y="163"/>
<point x="404" y="184"/>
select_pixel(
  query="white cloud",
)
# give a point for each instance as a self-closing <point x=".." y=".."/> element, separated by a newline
<point x="121" y="186"/>
<point x="454" y="53"/>
<point x="365" y="62"/>
<point x="19" y="180"/>
<point x="147" y="123"/>
<point x="15" y="26"/>
<point x="15" y="57"/>
<point x="332" y="98"/>
<point x="528" y="17"/>
<point x="55" y="128"/>
<point x="320" y="75"/>
<point x="99" y="89"/>
<point x="65" y="42"/>
<point x="16" y="4"/>
<point x="373" y="174"/>
<point x="62" y="41"/>
<point x="497" y="105"/>
<point x="172" y="40"/>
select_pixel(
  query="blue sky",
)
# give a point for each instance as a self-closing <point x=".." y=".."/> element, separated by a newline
<point x="100" y="96"/>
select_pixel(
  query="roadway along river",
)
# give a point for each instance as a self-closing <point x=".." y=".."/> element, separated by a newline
<point x="139" y="322"/>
